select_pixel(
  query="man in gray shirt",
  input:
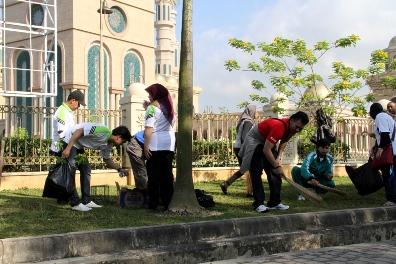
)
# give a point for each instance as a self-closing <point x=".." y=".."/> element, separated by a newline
<point x="97" y="137"/>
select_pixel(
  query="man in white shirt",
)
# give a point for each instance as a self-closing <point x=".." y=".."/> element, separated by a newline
<point x="62" y="122"/>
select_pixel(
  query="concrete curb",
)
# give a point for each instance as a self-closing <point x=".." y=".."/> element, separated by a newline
<point x="208" y="240"/>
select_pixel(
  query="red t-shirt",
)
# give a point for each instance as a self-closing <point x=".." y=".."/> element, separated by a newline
<point x="273" y="129"/>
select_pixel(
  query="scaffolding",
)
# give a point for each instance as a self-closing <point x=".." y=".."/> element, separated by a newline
<point x="29" y="26"/>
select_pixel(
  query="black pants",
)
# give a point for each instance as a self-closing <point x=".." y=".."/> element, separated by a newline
<point x="390" y="182"/>
<point x="257" y="165"/>
<point x="160" y="178"/>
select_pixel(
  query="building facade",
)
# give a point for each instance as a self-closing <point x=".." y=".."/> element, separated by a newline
<point x="139" y="46"/>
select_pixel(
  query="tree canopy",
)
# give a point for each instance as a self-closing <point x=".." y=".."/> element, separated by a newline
<point x="290" y="67"/>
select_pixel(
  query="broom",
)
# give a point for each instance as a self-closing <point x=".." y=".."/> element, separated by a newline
<point x="307" y="193"/>
<point x="334" y="190"/>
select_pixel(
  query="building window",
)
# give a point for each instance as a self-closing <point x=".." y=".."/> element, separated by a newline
<point x="93" y="77"/>
<point x="158" y="12"/>
<point x="170" y="69"/>
<point x="117" y="20"/>
<point x="176" y="58"/>
<point x="168" y="13"/>
<point x="37" y="15"/>
<point x="158" y="68"/>
<point x="131" y="70"/>
<point x="59" y="97"/>
<point x="163" y="12"/>
<point x="24" y="118"/>
<point x="164" y="66"/>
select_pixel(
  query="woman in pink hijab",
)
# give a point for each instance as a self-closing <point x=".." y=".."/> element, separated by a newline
<point x="159" y="145"/>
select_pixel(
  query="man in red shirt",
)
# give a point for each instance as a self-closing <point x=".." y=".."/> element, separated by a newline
<point x="260" y="152"/>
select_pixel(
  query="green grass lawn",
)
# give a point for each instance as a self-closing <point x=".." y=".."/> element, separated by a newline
<point x="24" y="212"/>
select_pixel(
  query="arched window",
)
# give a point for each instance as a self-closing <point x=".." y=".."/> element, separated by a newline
<point x="132" y="71"/>
<point x="23" y="84"/>
<point x="93" y="77"/>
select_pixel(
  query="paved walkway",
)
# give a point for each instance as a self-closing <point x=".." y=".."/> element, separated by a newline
<point x="383" y="252"/>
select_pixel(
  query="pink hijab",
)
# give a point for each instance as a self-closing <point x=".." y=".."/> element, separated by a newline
<point x="159" y="93"/>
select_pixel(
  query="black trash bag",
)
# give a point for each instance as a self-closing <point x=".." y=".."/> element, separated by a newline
<point x="131" y="198"/>
<point x="366" y="179"/>
<point x="324" y="127"/>
<point x="204" y="199"/>
<point x="59" y="182"/>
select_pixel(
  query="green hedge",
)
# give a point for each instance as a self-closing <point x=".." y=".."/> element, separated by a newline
<point x="215" y="153"/>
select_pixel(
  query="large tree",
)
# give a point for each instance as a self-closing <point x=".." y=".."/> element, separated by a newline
<point x="184" y="199"/>
<point x="291" y="68"/>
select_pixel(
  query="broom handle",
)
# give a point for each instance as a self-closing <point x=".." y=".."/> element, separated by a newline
<point x="309" y="194"/>
<point x="324" y="187"/>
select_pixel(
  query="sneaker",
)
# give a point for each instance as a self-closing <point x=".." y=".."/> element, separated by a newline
<point x="301" y="197"/>
<point x="389" y="203"/>
<point x="223" y="187"/>
<point x="262" y="209"/>
<point x="91" y="204"/>
<point x="81" y="207"/>
<point x="279" y="207"/>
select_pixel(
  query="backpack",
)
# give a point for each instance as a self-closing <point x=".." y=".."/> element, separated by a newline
<point x="204" y="199"/>
<point x="324" y="127"/>
<point x="366" y="179"/>
<point x="131" y="198"/>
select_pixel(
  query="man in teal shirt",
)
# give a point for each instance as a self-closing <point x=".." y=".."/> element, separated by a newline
<point x="317" y="168"/>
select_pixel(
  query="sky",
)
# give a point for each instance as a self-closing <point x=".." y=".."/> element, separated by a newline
<point x="216" y="21"/>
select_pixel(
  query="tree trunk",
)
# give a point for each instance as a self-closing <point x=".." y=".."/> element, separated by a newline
<point x="184" y="199"/>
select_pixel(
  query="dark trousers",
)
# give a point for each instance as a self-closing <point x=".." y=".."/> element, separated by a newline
<point x="160" y="178"/>
<point x="390" y="182"/>
<point x="138" y="163"/>
<point x="257" y="165"/>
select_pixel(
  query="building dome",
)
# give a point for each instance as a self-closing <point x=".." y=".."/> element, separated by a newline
<point x="138" y="89"/>
<point x="318" y="92"/>
<point x="392" y="43"/>
<point x="384" y="103"/>
<point x="280" y="99"/>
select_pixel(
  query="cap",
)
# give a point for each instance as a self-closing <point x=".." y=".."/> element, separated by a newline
<point x="77" y="95"/>
<point x="323" y="142"/>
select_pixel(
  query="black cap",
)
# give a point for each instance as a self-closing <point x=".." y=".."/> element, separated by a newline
<point x="77" y="95"/>
<point x="323" y="142"/>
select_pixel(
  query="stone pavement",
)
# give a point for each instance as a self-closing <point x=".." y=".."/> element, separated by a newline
<point x="378" y="253"/>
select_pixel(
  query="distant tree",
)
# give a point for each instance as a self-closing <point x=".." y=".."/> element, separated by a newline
<point x="290" y="66"/>
<point x="184" y="199"/>
<point x="383" y="69"/>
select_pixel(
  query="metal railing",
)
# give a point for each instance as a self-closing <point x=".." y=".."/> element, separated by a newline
<point x="213" y="138"/>
<point x="28" y="136"/>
